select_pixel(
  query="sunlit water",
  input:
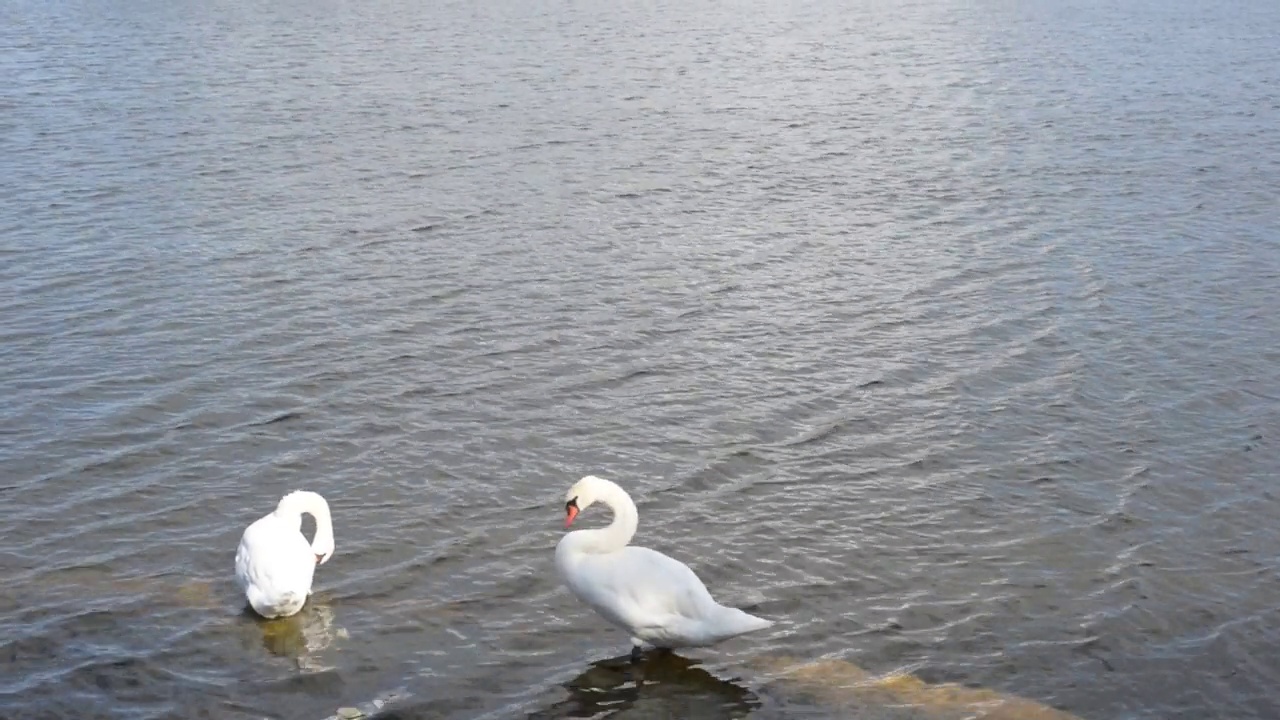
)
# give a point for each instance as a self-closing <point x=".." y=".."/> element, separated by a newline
<point x="943" y="333"/>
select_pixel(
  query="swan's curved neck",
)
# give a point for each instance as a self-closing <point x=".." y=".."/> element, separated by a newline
<point x="620" y="531"/>
<point x="295" y="504"/>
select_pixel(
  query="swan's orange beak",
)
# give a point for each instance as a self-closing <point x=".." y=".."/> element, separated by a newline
<point x="570" y="512"/>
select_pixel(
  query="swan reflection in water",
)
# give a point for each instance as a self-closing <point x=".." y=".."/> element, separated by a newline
<point x="664" y="685"/>
<point x="303" y="637"/>
<point x="661" y="685"/>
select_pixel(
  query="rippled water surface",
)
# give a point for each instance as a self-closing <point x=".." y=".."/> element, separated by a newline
<point x="945" y="334"/>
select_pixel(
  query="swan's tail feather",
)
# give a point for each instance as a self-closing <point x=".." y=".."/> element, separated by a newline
<point x="283" y="605"/>
<point x="291" y="602"/>
<point x="757" y="623"/>
<point x="738" y="622"/>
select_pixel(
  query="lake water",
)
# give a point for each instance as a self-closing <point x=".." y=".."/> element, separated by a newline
<point x="945" y="334"/>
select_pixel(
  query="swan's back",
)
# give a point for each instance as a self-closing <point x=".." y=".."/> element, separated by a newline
<point x="655" y="597"/>
<point x="274" y="567"/>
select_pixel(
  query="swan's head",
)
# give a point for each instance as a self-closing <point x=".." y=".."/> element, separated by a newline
<point x="581" y="495"/>
<point x="323" y="548"/>
<point x="291" y="508"/>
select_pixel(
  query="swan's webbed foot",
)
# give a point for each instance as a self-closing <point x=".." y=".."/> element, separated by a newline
<point x="636" y="653"/>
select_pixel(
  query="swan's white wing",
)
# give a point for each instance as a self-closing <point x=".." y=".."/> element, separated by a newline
<point x="656" y="598"/>
<point x="637" y="587"/>
<point x="274" y="567"/>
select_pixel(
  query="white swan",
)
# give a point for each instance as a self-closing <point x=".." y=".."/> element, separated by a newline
<point x="655" y="598"/>
<point x="275" y="563"/>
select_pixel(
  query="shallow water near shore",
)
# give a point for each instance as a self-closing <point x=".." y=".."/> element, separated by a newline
<point x="943" y="334"/>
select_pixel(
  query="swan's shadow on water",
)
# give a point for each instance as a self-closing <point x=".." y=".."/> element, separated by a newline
<point x="302" y="637"/>
<point x="661" y="685"/>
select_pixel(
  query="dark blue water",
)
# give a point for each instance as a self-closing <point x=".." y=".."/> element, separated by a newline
<point x="942" y="333"/>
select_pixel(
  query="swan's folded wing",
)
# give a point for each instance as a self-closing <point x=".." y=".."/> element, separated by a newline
<point x="274" y="560"/>
<point x="653" y="586"/>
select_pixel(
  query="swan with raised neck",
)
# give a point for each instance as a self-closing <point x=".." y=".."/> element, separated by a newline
<point x="655" y="598"/>
<point x="275" y="564"/>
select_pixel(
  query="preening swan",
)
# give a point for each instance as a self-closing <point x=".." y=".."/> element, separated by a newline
<point x="275" y="563"/>
<point x="655" y="598"/>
